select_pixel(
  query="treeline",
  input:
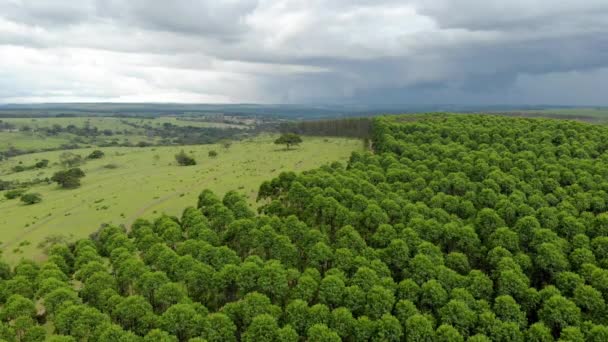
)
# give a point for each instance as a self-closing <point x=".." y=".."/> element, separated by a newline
<point x="87" y="130"/>
<point x="88" y="135"/>
<point x="187" y="135"/>
<point x="351" y="127"/>
<point x="13" y="184"/>
<point x="6" y="126"/>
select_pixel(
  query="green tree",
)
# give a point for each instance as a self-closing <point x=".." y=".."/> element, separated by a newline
<point x="419" y="329"/>
<point x="343" y="322"/>
<point x="14" y="193"/>
<point x="331" y="291"/>
<point x="456" y="313"/>
<point x="59" y="297"/>
<point x="68" y="179"/>
<point x="321" y="333"/>
<point x="263" y="328"/>
<point x="79" y="321"/>
<point x="134" y="313"/>
<point x="288" y="139"/>
<point x="96" y="154"/>
<point x="538" y="332"/>
<point x="387" y="328"/>
<point x="221" y="328"/>
<point x="379" y="301"/>
<point x="183" y="159"/>
<point x="183" y="321"/>
<point x="447" y="333"/>
<point x="558" y="313"/>
<point x="17" y="306"/>
<point x="31" y="198"/>
<point x="157" y="335"/>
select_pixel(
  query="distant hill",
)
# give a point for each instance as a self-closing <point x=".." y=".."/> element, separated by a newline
<point x="290" y="111"/>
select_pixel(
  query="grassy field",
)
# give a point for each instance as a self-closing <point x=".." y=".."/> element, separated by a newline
<point x="29" y="141"/>
<point x="592" y="112"/>
<point x="111" y="123"/>
<point x="145" y="183"/>
<point x="35" y="140"/>
<point x="598" y="115"/>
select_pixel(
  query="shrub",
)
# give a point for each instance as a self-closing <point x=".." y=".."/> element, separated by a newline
<point x="184" y="160"/>
<point x="4" y="185"/>
<point x="68" y="179"/>
<point x="212" y="154"/>
<point x="42" y="164"/>
<point x="97" y="154"/>
<point x="18" y="168"/>
<point x="12" y="194"/>
<point x="31" y="198"/>
<point x="69" y="159"/>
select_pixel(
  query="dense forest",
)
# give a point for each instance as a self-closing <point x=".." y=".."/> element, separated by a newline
<point x="352" y="127"/>
<point x="455" y="228"/>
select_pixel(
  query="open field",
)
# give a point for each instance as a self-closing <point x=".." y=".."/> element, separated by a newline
<point x="43" y="134"/>
<point x="597" y="115"/>
<point x="29" y="141"/>
<point x="593" y="112"/>
<point x="146" y="182"/>
<point x="112" y="123"/>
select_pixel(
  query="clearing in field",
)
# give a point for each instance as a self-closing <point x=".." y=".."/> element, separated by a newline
<point x="132" y="182"/>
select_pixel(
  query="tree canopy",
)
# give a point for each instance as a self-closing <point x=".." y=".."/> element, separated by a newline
<point x="68" y="179"/>
<point x="455" y="228"/>
<point x="288" y="139"/>
<point x="184" y="160"/>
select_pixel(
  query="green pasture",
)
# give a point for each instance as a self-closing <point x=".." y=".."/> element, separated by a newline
<point x="132" y="182"/>
<point x="598" y="115"/>
<point x="112" y="123"/>
<point x="123" y="131"/>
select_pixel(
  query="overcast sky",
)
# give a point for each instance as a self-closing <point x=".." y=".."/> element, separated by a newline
<point x="305" y="51"/>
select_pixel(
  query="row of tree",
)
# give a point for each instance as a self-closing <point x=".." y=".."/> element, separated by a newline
<point x="347" y="127"/>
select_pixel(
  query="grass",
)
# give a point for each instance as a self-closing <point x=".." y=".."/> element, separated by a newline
<point x="30" y="141"/>
<point x="33" y="140"/>
<point x="144" y="182"/>
<point x="599" y="114"/>
<point x="111" y="123"/>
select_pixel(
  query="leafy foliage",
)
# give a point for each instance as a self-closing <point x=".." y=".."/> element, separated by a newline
<point x="15" y="193"/>
<point x="184" y="160"/>
<point x="68" y="179"/>
<point x="457" y="228"/>
<point x="97" y="154"/>
<point x="288" y="139"/>
<point x="31" y="198"/>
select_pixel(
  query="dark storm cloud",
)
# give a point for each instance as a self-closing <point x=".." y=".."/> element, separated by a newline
<point x="306" y="51"/>
<point x="47" y="13"/>
<point x="223" y="19"/>
<point x="514" y="15"/>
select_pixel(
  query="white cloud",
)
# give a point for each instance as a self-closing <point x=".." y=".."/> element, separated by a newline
<point x="299" y="50"/>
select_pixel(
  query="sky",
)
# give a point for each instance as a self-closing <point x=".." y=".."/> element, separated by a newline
<point x="305" y="51"/>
